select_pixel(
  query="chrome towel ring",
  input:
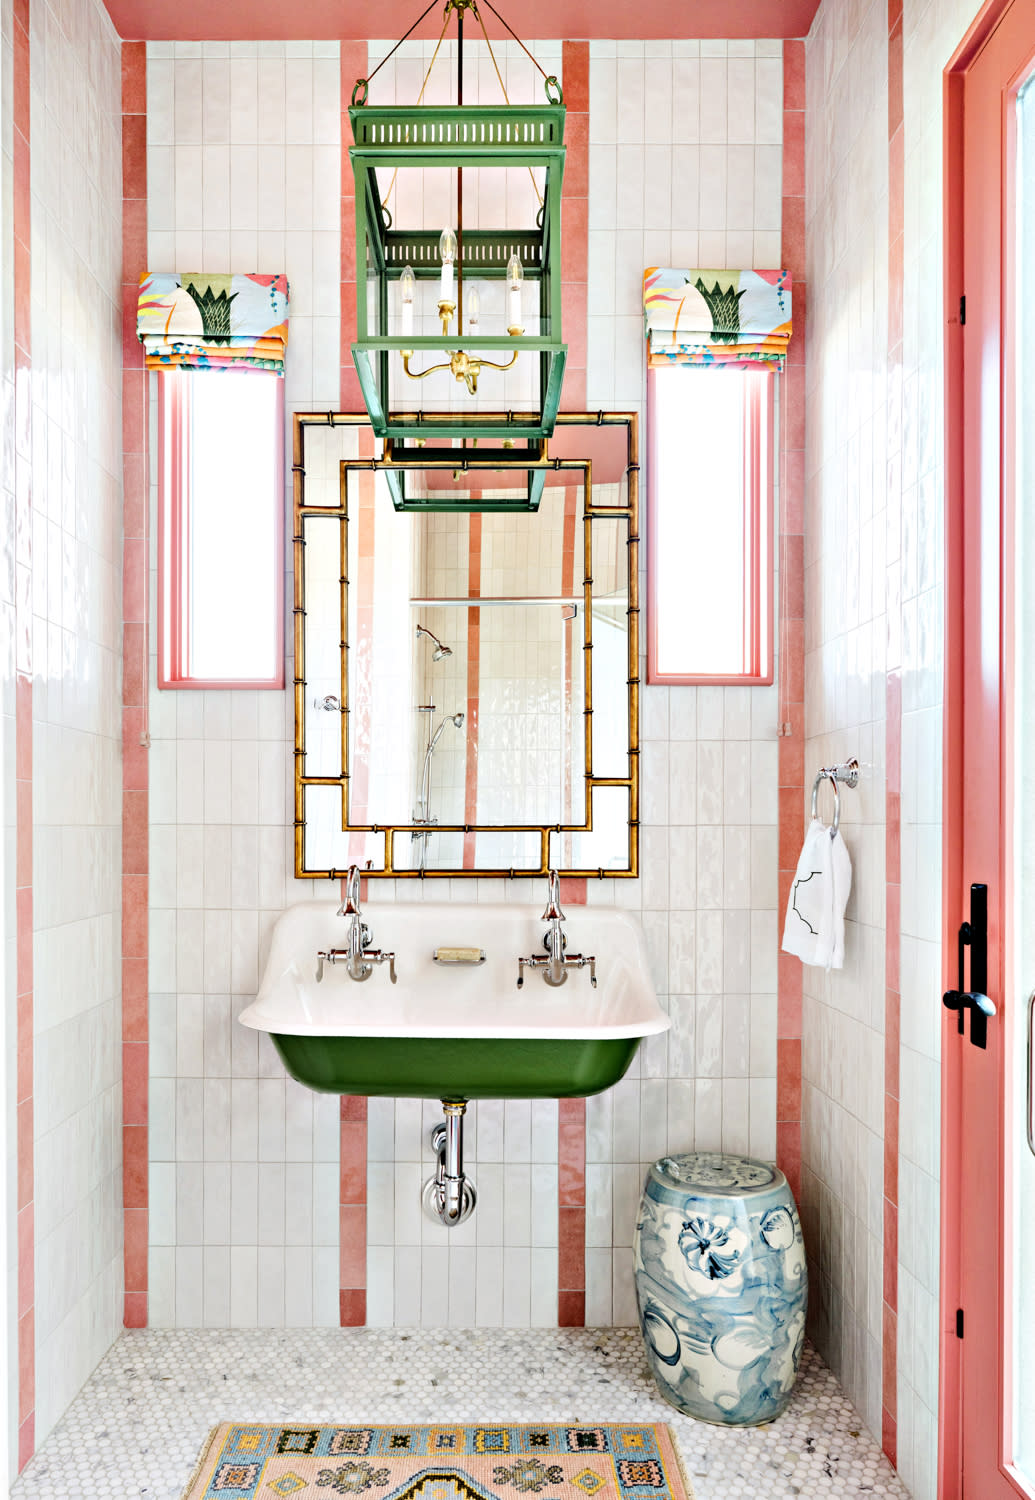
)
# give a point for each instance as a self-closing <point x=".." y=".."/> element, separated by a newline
<point x="848" y="772"/>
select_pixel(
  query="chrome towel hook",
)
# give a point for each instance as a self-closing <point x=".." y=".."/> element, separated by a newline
<point x="848" y="772"/>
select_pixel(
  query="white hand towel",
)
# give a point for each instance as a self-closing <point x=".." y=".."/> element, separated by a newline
<point x="815" y="925"/>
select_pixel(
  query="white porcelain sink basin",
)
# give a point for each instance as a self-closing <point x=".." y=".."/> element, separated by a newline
<point x="457" y="1031"/>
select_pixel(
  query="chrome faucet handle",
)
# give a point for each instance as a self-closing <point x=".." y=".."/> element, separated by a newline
<point x="331" y="956"/>
<point x="547" y="964"/>
<point x="358" y="966"/>
<point x="377" y="956"/>
<point x="578" y="962"/>
<point x="553" y="911"/>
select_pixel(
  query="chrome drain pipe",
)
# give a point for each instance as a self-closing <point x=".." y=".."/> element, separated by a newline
<point x="450" y="1196"/>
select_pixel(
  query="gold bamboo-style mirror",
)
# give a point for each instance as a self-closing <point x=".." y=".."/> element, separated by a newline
<point x="466" y="680"/>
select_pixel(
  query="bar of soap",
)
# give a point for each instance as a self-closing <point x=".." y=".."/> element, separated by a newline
<point x="458" y="955"/>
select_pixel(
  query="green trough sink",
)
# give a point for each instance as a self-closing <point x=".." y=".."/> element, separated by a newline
<point x="456" y="1068"/>
<point x="456" y="1032"/>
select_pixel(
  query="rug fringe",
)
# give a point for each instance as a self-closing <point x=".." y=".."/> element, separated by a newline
<point x="684" y="1476"/>
<point x="206" y="1449"/>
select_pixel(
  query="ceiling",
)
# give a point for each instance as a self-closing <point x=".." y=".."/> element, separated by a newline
<point x="328" y="20"/>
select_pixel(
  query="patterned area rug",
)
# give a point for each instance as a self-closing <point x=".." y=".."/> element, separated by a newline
<point x="245" y="1461"/>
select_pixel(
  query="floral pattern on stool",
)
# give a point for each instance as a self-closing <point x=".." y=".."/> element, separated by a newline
<point x="721" y="1285"/>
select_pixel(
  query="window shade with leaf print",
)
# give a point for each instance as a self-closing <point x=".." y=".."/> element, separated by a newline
<point x="190" y="320"/>
<point x="740" y="319"/>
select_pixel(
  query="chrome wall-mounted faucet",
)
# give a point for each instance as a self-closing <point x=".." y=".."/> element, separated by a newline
<point x="553" y="963"/>
<point x="359" y="959"/>
<point x="555" y="972"/>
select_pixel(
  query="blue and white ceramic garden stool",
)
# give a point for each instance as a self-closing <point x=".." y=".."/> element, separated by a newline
<point x="722" y="1286"/>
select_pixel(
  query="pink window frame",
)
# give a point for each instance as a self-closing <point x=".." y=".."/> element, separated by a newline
<point x="173" y="542"/>
<point x="759" y="593"/>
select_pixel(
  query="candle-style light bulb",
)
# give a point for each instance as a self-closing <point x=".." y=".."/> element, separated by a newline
<point x="407" y="287"/>
<point x="447" y="255"/>
<point x="473" y="309"/>
<point x="515" y="277"/>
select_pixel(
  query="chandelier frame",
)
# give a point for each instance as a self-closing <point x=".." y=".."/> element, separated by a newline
<point x="393" y="137"/>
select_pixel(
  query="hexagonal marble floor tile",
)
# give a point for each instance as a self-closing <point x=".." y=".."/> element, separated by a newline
<point x="138" y="1425"/>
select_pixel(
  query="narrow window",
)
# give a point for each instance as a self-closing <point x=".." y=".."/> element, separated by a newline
<point x="220" y="529"/>
<point x="709" y="512"/>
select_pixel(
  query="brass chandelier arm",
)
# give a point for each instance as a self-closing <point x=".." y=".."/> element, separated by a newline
<point x="491" y="364"/>
<point x="466" y="367"/>
<point x="421" y="374"/>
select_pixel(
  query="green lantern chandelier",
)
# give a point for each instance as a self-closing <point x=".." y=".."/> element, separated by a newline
<point x="412" y="278"/>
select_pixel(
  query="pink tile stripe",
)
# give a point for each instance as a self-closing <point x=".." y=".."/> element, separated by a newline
<point x="352" y="1214"/>
<point x="575" y="221"/>
<point x="571" y="1127"/>
<point x="792" y="613"/>
<point x="893" y="743"/>
<point x="134" y="695"/>
<point x="571" y="1212"/>
<point x="572" y="1131"/>
<point x="352" y="1197"/>
<point x="571" y="1183"/>
<point x="25" y="1186"/>
<point x="353" y="65"/>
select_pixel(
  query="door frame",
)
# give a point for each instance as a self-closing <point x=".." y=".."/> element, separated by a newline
<point x="950" y="1415"/>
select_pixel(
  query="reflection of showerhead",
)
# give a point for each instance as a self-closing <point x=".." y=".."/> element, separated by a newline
<point x="440" y="652"/>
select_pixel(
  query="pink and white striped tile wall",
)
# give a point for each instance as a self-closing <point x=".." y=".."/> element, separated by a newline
<point x="61" y="359"/>
<point x="711" y="764"/>
<point x="244" y="1200"/>
<point x="135" y="761"/>
<point x="687" y="167"/>
<point x="875" y="592"/>
<point x="246" y="1174"/>
<point x="849" y="527"/>
<point x="21" y="262"/>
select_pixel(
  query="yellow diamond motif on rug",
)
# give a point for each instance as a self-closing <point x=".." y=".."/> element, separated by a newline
<point x="589" y="1482"/>
<point x="506" y="1461"/>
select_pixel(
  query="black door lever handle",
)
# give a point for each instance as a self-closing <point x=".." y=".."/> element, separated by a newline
<point x="981" y="1010"/>
<point x="973" y="935"/>
<point x="955" y="1000"/>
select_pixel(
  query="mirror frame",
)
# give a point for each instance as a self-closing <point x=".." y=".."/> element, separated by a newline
<point x="303" y="421"/>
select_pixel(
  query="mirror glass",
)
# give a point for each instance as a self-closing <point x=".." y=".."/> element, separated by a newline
<point x="463" y="688"/>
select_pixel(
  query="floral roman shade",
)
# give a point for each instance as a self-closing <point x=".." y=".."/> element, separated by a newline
<point x="198" y="322"/>
<point x="736" y="318"/>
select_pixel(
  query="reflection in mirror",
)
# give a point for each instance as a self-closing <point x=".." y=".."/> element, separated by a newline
<point x="603" y="847"/>
<point x="485" y="665"/>
<point x="323" y="704"/>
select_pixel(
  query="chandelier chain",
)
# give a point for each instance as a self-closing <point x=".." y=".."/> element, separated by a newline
<point x="503" y="86"/>
<point x="472" y="5"/>
<point x="427" y="76"/>
<point x="402" y="39"/>
<point x="515" y="36"/>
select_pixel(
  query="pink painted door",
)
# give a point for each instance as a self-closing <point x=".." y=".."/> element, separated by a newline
<point x="988" y="1283"/>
